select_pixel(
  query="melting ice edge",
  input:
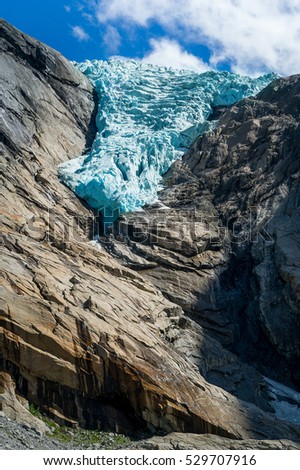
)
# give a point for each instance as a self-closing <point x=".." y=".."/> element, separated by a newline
<point x="147" y="117"/>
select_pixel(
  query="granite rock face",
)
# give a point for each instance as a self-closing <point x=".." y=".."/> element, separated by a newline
<point x="223" y="242"/>
<point x="15" y="407"/>
<point x="89" y="340"/>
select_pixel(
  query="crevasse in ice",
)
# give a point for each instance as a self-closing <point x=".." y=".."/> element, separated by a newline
<point x="147" y="117"/>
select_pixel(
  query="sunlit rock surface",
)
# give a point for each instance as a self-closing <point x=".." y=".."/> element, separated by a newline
<point x="147" y="117"/>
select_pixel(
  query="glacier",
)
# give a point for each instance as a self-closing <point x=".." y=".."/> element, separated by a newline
<point x="147" y="117"/>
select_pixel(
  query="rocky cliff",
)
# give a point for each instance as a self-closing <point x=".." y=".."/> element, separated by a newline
<point x="224" y="244"/>
<point x="93" y="342"/>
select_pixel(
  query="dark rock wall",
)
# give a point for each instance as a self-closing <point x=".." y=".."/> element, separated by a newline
<point x="225" y="245"/>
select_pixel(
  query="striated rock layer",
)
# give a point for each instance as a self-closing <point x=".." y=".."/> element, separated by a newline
<point x="81" y="336"/>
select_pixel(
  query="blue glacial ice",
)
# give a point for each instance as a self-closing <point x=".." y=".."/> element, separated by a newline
<point x="147" y="117"/>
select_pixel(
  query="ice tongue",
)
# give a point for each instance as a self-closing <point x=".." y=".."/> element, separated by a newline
<point x="147" y="117"/>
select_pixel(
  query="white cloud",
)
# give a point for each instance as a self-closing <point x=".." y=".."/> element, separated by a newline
<point x="79" y="33"/>
<point x="253" y="36"/>
<point x="168" y="53"/>
<point x="88" y="17"/>
<point x="112" y="39"/>
<point x="67" y="8"/>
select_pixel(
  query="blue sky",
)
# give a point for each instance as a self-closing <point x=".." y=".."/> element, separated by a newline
<point x="242" y="36"/>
